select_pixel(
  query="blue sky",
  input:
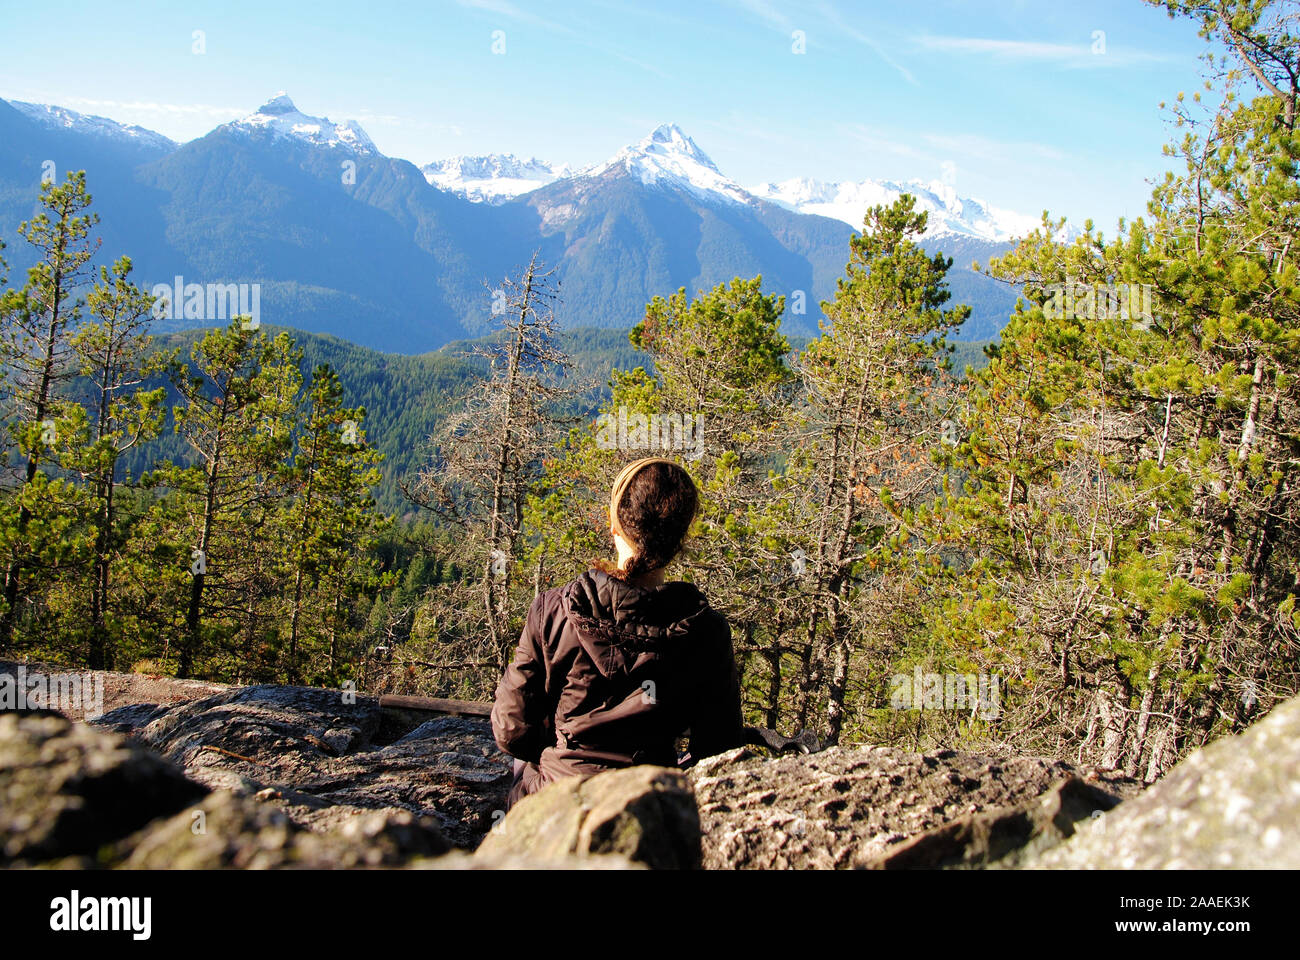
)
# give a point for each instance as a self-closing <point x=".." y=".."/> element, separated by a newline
<point x="1029" y="105"/>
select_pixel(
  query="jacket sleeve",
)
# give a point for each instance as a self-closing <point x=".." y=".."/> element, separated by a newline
<point x="521" y="711"/>
<point x="717" y="723"/>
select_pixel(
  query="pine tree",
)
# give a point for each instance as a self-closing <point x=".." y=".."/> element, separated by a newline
<point x="1129" y="524"/>
<point x="327" y="526"/>
<point x="233" y="417"/>
<point x="36" y="323"/>
<point x="867" y="425"/>
<point x="116" y="356"/>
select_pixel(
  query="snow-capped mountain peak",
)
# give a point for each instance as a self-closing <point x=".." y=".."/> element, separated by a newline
<point x="493" y="178"/>
<point x="63" y="118"/>
<point x="949" y="213"/>
<point x="669" y="156"/>
<point x="280" y="118"/>
<point x="668" y="140"/>
<point x="278" y="106"/>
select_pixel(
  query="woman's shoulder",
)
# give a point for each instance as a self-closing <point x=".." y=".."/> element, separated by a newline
<point x="582" y="591"/>
<point x="689" y="588"/>
<point x="548" y="604"/>
<point x="690" y="594"/>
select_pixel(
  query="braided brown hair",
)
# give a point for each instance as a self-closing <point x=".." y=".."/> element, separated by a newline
<point x="654" y="513"/>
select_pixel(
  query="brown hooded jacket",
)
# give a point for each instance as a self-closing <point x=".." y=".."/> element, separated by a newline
<point x="608" y="674"/>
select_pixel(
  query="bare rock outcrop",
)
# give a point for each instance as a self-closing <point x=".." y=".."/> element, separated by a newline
<point x="67" y="790"/>
<point x="846" y="808"/>
<point x="321" y="756"/>
<point x="1234" y="804"/>
<point x="227" y="830"/>
<point x="76" y="796"/>
<point x="1002" y="836"/>
<point x="645" y="814"/>
<point x="285" y="777"/>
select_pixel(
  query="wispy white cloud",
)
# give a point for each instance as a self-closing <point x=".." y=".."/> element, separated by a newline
<point x="874" y="142"/>
<point x="936" y="149"/>
<point x="988" y="148"/>
<point x="643" y="11"/>
<point x="648" y="67"/>
<point x="744" y="126"/>
<point x="1096" y="54"/>
<point x="832" y="16"/>
<point x="368" y="119"/>
<point x="504" y="8"/>
<point x="769" y="15"/>
<point x="1016" y="49"/>
<point x="152" y="107"/>
<point x="766" y="12"/>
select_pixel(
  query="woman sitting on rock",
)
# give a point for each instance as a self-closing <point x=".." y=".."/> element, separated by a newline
<point x="615" y="666"/>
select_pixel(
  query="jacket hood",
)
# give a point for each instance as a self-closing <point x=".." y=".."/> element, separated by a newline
<point x="618" y="623"/>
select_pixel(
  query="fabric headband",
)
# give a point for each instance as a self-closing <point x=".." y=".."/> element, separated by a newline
<point x="625" y="477"/>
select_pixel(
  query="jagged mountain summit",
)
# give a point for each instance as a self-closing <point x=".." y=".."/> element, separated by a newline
<point x="61" y="118"/>
<point x="949" y="213"/>
<point x="279" y="118"/>
<point x="668" y="157"/>
<point x="394" y="258"/>
<point x="494" y="178"/>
